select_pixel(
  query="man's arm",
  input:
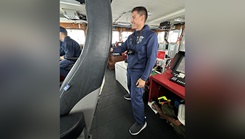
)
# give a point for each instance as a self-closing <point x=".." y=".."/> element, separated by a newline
<point x="152" y="49"/>
<point x="120" y="49"/>
<point x="62" y="52"/>
<point x="69" y="50"/>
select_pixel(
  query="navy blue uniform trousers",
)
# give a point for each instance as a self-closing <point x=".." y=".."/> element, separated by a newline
<point x="63" y="65"/>
<point x="136" y="95"/>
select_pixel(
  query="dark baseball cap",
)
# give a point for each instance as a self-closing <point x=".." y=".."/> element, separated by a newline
<point x="63" y="30"/>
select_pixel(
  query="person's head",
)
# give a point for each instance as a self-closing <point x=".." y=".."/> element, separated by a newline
<point x="139" y="17"/>
<point x="63" y="33"/>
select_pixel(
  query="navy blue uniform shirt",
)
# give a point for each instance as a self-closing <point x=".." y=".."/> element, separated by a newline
<point x="144" y="45"/>
<point x="61" y="49"/>
<point x="71" y="48"/>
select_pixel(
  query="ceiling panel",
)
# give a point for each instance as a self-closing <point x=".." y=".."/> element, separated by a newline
<point x="161" y="10"/>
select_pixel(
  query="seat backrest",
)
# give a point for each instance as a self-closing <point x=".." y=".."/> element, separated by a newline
<point x="87" y="73"/>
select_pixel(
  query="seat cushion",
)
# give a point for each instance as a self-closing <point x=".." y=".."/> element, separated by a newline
<point x="71" y="125"/>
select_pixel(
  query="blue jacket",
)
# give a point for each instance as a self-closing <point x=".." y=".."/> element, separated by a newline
<point x="70" y="48"/>
<point x="144" y="45"/>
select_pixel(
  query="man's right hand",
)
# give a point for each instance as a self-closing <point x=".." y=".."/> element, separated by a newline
<point x="111" y="50"/>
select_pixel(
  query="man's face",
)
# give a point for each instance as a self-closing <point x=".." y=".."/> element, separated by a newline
<point x="137" y="20"/>
<point x="61" y="37"/>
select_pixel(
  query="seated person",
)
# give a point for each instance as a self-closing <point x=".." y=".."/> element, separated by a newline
<point x="69" y="52"/>
<point x="61" y="49"/>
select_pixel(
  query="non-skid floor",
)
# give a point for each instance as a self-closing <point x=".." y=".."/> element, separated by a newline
<point x="113" y="116"/>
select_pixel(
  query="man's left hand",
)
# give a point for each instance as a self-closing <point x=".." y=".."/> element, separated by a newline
<point x="140" y="83"/>
<point x="62" y="57"/>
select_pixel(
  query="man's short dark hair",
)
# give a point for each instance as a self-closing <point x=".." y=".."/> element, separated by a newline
<point x="141" y="11"/>
<point x="63" y="30"/>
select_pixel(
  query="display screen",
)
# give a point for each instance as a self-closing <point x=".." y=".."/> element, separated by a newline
<point x="181" y="66"/>
<point x="162" y="46"/>
<point x="178" y="63"/>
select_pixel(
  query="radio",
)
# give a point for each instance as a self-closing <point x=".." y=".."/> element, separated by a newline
<point x="131" y="52"/>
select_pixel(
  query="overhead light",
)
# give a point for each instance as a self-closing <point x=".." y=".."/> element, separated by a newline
<point x="123" y="23"/>
<point x="70" y="2"/>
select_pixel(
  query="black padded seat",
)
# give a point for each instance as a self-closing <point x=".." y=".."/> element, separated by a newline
<point x="72" y="125"/>
<point x="80" y="89"/>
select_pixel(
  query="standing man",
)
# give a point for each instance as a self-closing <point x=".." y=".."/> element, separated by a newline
<point x="142" y="47"/>
<point x="69" y="52"/>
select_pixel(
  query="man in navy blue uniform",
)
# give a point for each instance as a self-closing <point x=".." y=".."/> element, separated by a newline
<point x="69" y="51"/>
<point x="141" y="47"/>
<point x="61" y="49"/>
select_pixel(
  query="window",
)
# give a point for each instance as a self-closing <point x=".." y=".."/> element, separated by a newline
<point x="173" y="36"/>
<point x="161" y="37"/>
<point x="77" y="34"/>
<point x="115" y="37"/>
<point x="182" y="43"/>
<point x="125" y="35"/>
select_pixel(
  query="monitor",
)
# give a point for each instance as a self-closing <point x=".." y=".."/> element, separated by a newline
<point x="172" y="49"/>
<point x="172" y="46"/>
<point x="178" y="63"/>
<point x="181" y="67"/>
<point x="161" y="46"/>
